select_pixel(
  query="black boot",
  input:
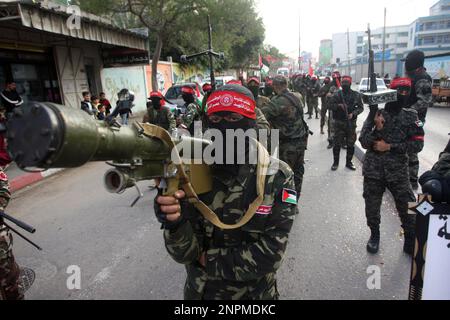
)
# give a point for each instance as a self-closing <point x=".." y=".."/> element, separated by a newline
<point x="330" y="144"/>
<point x="350" y="165"/>
<point x="410" y="242"/>
<point x="373" y="245"/>
<point x="336" y="159"/>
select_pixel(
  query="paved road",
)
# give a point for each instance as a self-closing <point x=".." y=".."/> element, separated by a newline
<point x="121" y="253"/>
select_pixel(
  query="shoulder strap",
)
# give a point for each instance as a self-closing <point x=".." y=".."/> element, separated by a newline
<point x="261" y="172"/>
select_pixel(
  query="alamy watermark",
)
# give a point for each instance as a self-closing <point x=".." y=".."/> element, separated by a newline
<point x="229" y="147"/>
<point x="74" y="20"/>
<point x="374" y="279"/>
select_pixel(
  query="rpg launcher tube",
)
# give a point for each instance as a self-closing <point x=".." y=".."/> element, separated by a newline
<point x="48" y="135"/>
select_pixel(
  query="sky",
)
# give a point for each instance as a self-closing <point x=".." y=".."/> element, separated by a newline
<point x="321" y="18"/>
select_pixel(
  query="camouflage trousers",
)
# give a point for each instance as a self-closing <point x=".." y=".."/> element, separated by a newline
<point x="323" y="116"/>
<point x="400" y="189"/>
<point x="9" y="270"/>
<point x="413" y="165"/>
<point x="293" y="153"/>
<point x="331" y="132"/>
<point x="344" y="130"/>
<point x="313" y="106"/>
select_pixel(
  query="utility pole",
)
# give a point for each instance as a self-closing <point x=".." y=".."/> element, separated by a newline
<point x="384" y="44"/>
<point x="348" y="51"/>
<point x="299" y="43"/>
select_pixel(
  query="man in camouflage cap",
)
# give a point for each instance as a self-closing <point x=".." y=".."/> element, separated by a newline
<point x="388" y="138"/>
<point x="158" y="114"/>
<point x="285" y="113"/>
<point x="240" y="263"/>
<point x="421" y="99"/>
<point x="261" y="102"/>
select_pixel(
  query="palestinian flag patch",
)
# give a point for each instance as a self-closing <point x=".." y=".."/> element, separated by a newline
<point x="289" y="196"/>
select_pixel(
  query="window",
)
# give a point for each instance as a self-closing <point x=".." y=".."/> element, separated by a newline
<point x="402" y="34"/>
<point x="429" y="40"/>
<point x="402" y="45"/>
<point x="360" y="39"/>
<point x="359" y="50"/>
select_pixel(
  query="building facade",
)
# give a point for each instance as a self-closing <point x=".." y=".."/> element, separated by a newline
<point x="431" y="34"/>
<point x="54" y="54"/>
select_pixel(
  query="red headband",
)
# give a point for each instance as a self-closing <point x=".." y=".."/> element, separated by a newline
<point x="239" y="82"/>
<point x="206" y="87"/>
<point x="156" y="94"/>
<point x="347" y="78"/>
<point x="401" y="82"/>
<point x="187" y="89"/>
<point x="233" y="102"/>
<point x="253" y="79"/>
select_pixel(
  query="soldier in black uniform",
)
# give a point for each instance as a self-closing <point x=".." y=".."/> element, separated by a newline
<point x="420" y="100"/>
<point x="388" y="138"/>
<point x="346" y="105"/>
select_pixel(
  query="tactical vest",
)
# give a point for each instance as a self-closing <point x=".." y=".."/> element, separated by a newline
<point x="158" y="117"/>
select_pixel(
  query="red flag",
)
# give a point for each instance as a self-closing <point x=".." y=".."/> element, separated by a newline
<point x="311" y="71"/>
<point x="260" y="62"/>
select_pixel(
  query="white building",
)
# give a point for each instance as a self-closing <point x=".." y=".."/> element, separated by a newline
<point x="431" y="34"/>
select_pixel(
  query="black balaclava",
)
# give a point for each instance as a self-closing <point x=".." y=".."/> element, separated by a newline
<point x="188" y="98"/>
<point x="156" y="102"/>
<point x="414" y="61"/>
<point x="223" y="126"/>
<point x="254" y="90"/>
<point x="327" y="81"/>
<point x="346" y="87"/>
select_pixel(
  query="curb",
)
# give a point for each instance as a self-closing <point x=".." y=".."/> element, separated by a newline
<point x="28" y="179"/>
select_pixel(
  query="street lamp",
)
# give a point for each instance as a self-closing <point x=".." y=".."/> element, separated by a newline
<point x="210" y="52"/>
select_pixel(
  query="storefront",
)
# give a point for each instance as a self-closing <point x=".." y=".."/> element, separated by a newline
<point x="51" y="61"/>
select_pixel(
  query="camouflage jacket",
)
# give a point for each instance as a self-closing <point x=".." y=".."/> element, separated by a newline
<point x="283" y="115"/>
<point x="422" y="94"/>
<point x="240" y="263"/>
<point x="404" y="132"/>
<point x="192" y="114"/>
<point x="314" y="89"/>
<point x="5" y="236"/>
<point x="354" y="103"/>
<point x="163" y="118"/>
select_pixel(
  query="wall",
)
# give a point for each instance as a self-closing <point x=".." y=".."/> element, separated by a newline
<point x="131" y="78"/>
<point x="164" y="76"/>
<point x="188" y="74"/>
<point x="438" y="67"/>
<point x="359" y="71"/>
<point x="71" y="61"/>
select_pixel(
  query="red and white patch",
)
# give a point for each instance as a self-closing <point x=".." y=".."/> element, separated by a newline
<point x="227" y="100"/>
<point x="264" y="210"/>
<point x="3" y="177"/>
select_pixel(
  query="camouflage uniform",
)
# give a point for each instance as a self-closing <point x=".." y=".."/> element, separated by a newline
<point x="192" y="115"/>
<point x="389" y="170"/>
<point x="343" y="127"/>
<point x="331" y="131"/>
<point x="288" y="119"/>
<point x="324" y="109"/>
<point x="241" y="263"/>
<point x="163" y="117"/>
<point x="313" y="98"/>
<point x="261" y="121"/>
<point x="420" y="100"/>
<point x="9" y="270"/>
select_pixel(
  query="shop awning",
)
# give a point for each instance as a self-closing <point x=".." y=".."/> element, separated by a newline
<point x="58" y="19"/>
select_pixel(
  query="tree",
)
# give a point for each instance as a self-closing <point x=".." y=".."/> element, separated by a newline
<point x="179" y="27"/>
<point x="160" y="16"/>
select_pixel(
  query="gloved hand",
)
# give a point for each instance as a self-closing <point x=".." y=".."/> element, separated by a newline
<point x="168" y="209"/>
